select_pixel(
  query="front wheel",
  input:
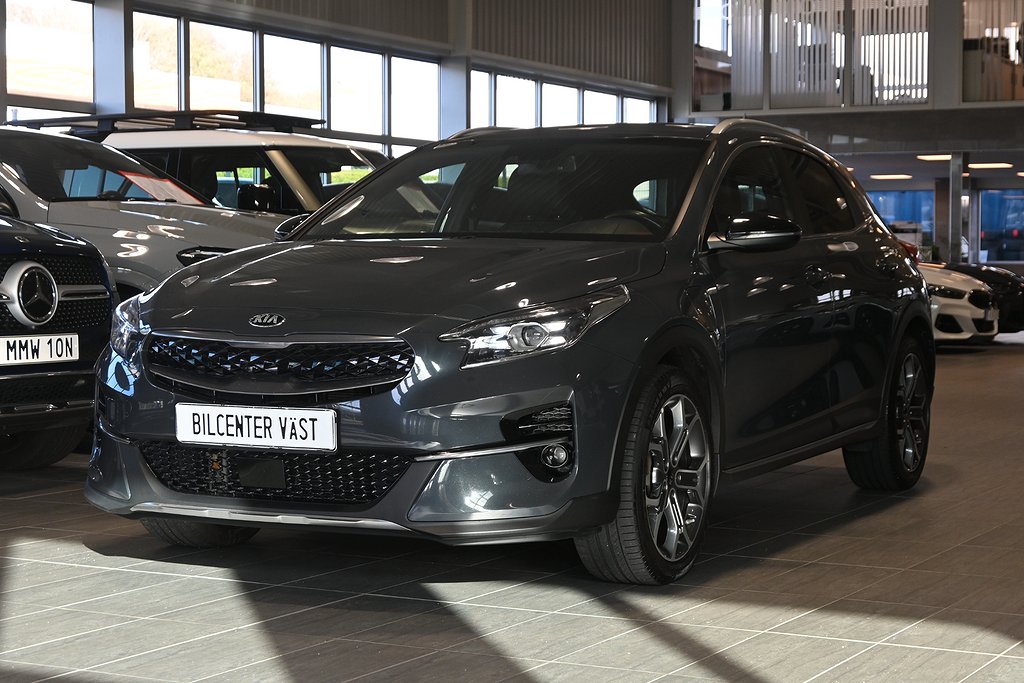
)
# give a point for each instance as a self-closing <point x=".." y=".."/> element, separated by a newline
<point x="895" y="460"/>
<point x="668" y="477"/>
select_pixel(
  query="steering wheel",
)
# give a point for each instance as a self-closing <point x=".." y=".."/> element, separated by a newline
<point x="641" y="217"/>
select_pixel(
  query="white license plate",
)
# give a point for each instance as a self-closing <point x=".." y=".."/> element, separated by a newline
<point x="44" y="348"/>
<point x="311" y="429"/>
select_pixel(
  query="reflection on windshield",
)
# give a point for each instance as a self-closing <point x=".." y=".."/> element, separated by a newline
<point x="65" y="169"/>
<point x="560" y="188"/>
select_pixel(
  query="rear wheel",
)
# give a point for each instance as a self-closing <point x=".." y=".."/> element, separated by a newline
<point x="894" y="461"/>
<point x="29" y="450"/>
<point x="667" y="480"/>
<point x="191" y="534"/>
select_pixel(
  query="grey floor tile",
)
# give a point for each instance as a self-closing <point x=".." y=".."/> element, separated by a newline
<point x="882" y="552"/>
<point x="548" y="637"/>
<point x="348" y="615"/>
<point x="234" y="649"/>
<point x="67" y="591"/>
<point x="995" y="595"/>
<point x="112" y="643"/>
<point x="857" y="620"/>
<point x="648" y="603"/>
<point x="776" y="658"/>
<point x="560" y="672"/>
<point x="335" y="660"/>
<point x="374" y="576"/>
<point x="1001" y="670"/>
<point x="797" y="547"/>
<point x="1003" y="536"/>
<point x="907" y="665"/>
<point x="23" y="672"/>
<point x="17" y="578"/>
<point x="977" y="561"/>
<point x="252" y="607"/>
<point x="749" y="610"/>
<point x="51" y="625"/>
<point x="446" y="626"/>
<point x="464" y="583"/>
<point x="175" y="594"/>
<point x="729" y="571"/>
<point x="550" y="593"/>
<point x="912" y="587"/>
<point x="479" y="668"/>
<point x="832" y="581"/>
<point x="659" y="648"/>
<point x="957" y="629"/>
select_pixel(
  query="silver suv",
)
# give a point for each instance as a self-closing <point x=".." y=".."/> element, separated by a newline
<point x="145" y="223"/>
<point x="244" y="160"/>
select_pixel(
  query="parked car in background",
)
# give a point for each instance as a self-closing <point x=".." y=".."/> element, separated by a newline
<point x="145" y="224"/>
<point x="524" y="335"/>
<point x="1007" y="287"/>
<point x="55" y="304"/>
<point x="967" y="309"/>
<point x="244" y="160"/>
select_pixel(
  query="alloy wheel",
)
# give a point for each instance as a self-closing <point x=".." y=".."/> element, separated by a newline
<point x="677" y="477"/>
<point x="911" y="412"/>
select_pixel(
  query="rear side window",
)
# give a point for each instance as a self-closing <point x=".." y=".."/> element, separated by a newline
<point x="826" y="206"/>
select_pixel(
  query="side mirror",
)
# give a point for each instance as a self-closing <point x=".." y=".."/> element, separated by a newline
<point x="756" y="231"/>
<point x="288" y="226"/>
<point x="256" y="198"/>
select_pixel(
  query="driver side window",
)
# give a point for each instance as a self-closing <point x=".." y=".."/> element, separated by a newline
<point x="752" y="183"/>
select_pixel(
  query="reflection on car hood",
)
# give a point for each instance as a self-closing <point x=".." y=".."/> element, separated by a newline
<point x="232" y="229"/>
<point x="462" y="279"/>
<point x="18" y="237"/>
<point x="942" y="277"/>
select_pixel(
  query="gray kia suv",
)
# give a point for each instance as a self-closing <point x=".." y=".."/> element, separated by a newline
<point x="527" y="334"/>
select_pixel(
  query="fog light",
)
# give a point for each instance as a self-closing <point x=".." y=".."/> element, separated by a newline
<point x="555" y="456"/>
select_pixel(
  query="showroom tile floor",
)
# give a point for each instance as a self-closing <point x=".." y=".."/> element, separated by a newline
<point x="805" y="579"/>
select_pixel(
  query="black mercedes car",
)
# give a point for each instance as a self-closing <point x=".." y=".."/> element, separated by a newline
<point x="514" y="335"/>
<point x="55" y="310"/>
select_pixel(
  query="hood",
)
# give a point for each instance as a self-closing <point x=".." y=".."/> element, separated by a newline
<point x="460" y="279"/>
<point x="17" y="237"/>
<point x="209" y="226"/>
<point x="943" y="277"/>
<point x="990" y="275"/>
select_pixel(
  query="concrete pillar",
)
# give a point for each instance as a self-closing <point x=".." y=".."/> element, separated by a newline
<point x="113" y="82"/>
<point x="681" y="54"/>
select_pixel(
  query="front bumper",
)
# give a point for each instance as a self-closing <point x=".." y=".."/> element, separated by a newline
<point x="464" y="481"/>
<point x="959" y="320"/>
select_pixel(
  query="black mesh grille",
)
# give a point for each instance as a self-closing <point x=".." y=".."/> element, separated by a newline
<point x="980" y="298"/>
<point x="984" y="326"/>
<point x="340" y="478"/>
<point x="66" y="270"/>
<point x="551" y="421"/>
<point x="354" y="364"/>
<point x="71" y="316"/>
<point x="948" y="324"/>
<point x="46" y="390"/>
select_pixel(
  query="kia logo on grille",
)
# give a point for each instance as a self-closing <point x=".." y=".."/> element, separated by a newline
<point x="266" y="320"/>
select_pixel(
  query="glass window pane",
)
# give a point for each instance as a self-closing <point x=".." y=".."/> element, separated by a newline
<point x="415" y="99"/>
<point x="559" y="105"/>
<point x="49" y="49"/>
<point x="220" y="67"/>
<point x="291" y="77"/>
<point x="357" y="91"/>
<point x="1002" y="225"/>
<point x="993" y="46"/>
<point x="637" y="111"/>
<point x="29" y="114"/>
<point x="910" y="214"/>
<point x="892" y="52"/>
<point x="479" y="99"/>
<point x="728" y="55"/>
<point x="400" y="150"/>
<point x="515" y="102"/>
<point x="155" y="61"/>
<point x="599" y="107"/>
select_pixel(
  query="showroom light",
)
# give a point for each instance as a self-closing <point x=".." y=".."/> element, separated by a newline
<point x="934" y="157"/>
<point x="990" y="164"/>
<point x="1021" y="174"/>
<point x="892" y="176"/>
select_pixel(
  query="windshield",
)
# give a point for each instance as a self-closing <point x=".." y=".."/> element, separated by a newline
<point x="65" y="169"/>
<point x="328" y="171"/>
<point x="559" y="187"/>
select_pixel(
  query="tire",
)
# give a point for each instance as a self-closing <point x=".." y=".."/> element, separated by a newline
<point x="30" y="450"/>
<point x="191" y="534"/>
<point x="894" y="461"/>
<point x="668" y="478"/>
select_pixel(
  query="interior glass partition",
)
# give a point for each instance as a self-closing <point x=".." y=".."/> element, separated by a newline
<point x="993" y="46"/>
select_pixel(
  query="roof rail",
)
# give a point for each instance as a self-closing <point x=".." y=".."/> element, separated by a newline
<point x="726" y="124"/>
<point x="99" y="126"/>
<point x="479" y="130"/>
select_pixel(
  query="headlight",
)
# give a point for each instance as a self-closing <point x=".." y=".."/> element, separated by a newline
<point x="126" y="328"/>
<point x="946" y="292"/>
<point x="535" y="330"/>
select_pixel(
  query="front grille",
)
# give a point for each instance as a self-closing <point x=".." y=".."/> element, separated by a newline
<point x="980" y="298"/>
<point x="948" y="324"/>
<point x="59" y="390"/>
<point x="314" y="477"/>
<point x="66" y="269"/>
<point x="71" y="316"/>
<point x="304" y="365"/>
